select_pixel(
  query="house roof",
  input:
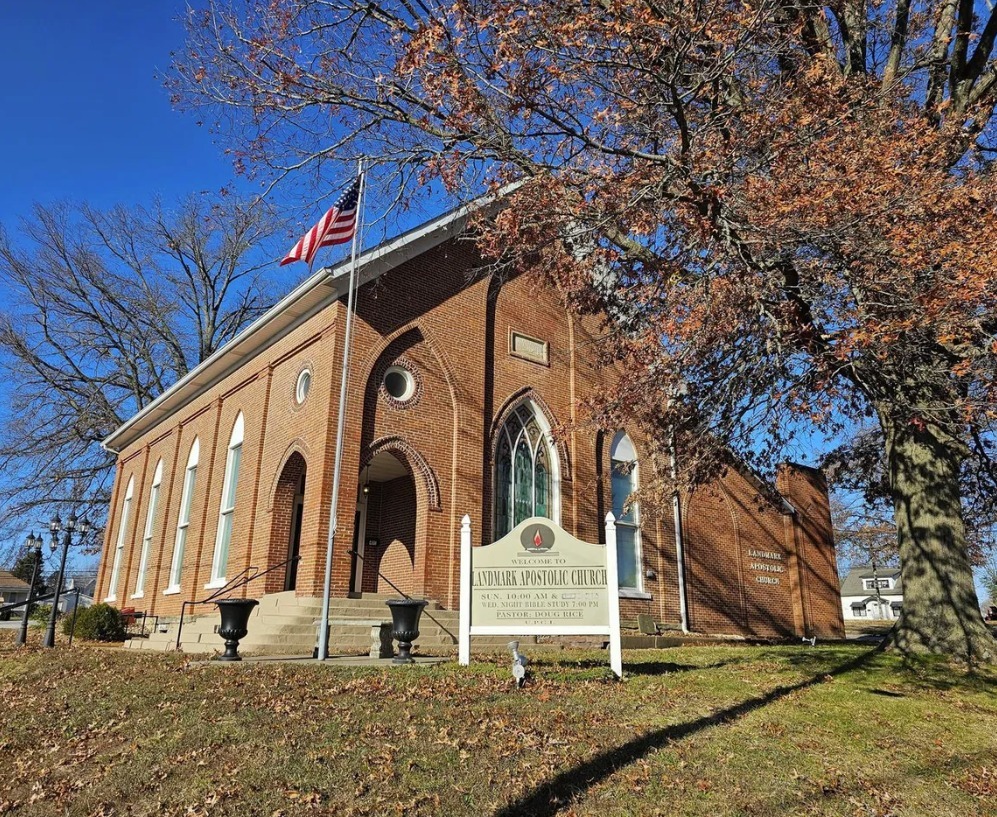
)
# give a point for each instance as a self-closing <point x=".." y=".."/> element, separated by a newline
<point x="8" y="581"/>
<point x="853" y="583"/>
<point x="867" y="599"/>
<point x="316" y="293"/>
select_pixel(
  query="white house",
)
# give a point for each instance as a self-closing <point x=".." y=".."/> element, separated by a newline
<point x="872" y="593"/>
<point x="69" y="597"/>
<point x="12" y="589"/>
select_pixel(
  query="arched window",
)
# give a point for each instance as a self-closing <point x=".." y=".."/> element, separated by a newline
<point x="119" y="546"/>
<point x="227" y="510"/>
<point x="150" y="520"/>
<point x="183" y="522"/>
<point x="624" y="484"/>
<point x="526" y="481"/>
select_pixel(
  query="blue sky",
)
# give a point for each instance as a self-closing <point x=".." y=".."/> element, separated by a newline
<point x="87" y="116"/>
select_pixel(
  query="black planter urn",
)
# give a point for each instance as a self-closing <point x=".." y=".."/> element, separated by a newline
<point x="405" y="626"/>
<point x="235" y="621"/>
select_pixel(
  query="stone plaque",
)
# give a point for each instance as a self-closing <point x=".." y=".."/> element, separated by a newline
<point x="529" y="348"/>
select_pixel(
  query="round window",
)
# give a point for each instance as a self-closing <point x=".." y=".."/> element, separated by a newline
<point x="304" y="383"/>
<point x="399" y="383"/>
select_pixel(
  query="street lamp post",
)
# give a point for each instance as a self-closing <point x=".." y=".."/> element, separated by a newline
<point x="31" y="543"/>
<point x="56" y="526"/>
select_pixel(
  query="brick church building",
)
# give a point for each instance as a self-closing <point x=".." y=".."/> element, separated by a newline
<point x="458" y="382"/>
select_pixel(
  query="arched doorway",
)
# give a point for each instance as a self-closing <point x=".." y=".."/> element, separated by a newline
<point x="285" y="529"/>
<point x="386" y="527"/>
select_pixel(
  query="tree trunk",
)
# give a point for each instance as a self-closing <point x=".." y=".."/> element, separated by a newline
<point x="940" y="612"/>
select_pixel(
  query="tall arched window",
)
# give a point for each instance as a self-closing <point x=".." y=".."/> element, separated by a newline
<point x="227" y="510"/>
<point x="624" y="484"/>
<point x="526" y="481"/>
<point x="183" y="522"/>
<point x="119" y="547"/>
<point x="150" y="520"/>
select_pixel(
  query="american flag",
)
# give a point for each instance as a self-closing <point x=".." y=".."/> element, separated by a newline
<point x="335" y="227"/>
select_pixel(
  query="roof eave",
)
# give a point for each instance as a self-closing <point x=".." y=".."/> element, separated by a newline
<point x="311" y="296"/>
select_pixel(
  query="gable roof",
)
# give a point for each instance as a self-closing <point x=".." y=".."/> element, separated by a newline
<point x="8" y="581"/>
<point x="316" y="293"/>
<point x="853" y="583"/>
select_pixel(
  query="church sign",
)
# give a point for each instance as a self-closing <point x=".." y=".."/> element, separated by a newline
<point x="539" y="580"/>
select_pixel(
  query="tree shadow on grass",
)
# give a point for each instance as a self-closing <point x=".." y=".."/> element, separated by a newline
<point x="668" y="667"/>
<point x="633" y="668"/>
<point x="549" y="798"/>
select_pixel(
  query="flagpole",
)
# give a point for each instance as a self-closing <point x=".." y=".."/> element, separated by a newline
<point x="323" y="635"/>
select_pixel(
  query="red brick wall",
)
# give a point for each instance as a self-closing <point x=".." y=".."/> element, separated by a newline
<point x="813" y="537"/>
<point x="282" y="517"/>
<point x="451" y="326"/>
<point x="391" y="519"/>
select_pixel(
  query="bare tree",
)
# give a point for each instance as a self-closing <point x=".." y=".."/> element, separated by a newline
<point x="104" y="311"/>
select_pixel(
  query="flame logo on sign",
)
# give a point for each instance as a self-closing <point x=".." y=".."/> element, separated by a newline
<point x="536" y="538"/>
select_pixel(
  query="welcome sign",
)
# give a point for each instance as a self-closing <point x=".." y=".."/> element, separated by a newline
<point x="539" y="580"/>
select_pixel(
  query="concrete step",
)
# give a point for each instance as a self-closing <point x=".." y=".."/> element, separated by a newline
<point x="287" y="623"/>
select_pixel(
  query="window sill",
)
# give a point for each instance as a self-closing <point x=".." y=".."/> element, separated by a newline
<point x="172" y="591"/>
<point x="214" y="584"/>
<point x="633" y="593"/>
<point x="138" y="595"/>
<point x="110" y="598"/>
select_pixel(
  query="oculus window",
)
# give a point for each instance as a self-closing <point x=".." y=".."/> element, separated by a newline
<point x="302" y="386"/>
<point x="399" y="383"/>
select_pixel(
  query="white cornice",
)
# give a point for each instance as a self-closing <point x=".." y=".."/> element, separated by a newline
<point x="313" y="295"/>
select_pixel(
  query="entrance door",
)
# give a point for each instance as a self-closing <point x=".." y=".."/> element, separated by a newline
<point x="294" y="543"/>
<point x="359" y="526"/>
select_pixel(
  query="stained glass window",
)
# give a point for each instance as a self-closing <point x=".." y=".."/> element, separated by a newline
<point x="523" y="471"/>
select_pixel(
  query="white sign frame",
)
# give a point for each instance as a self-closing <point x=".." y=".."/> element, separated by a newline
<point x="610" y="629"/>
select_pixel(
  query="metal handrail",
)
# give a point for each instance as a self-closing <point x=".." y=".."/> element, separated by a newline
<point x="228" y="587"/>
<point x="34" y="599"/>
<point x="15" y="604"/>
<point x="403" y="593"/>
<point x="381" y="575"/>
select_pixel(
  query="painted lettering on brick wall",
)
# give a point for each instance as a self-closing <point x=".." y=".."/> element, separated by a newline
<point x="767" y="564"/>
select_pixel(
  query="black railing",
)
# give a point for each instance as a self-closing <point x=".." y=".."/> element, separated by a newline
<point x="397" y="589"/>
<point x="402" y="593"/>
<point x="6" y="608"/>
<point x="43" y="597"/>
<point x="250" y="574"/>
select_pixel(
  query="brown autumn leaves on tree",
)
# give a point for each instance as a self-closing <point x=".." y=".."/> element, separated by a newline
<point x="787" y="207"/>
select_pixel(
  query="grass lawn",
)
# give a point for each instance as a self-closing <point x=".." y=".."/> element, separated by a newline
<point x="698" y="730"/>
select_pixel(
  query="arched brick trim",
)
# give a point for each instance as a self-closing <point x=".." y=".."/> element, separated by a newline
<point x="282" y="517"/>
<point x="692" y="543"/>
<point x="413" y="459"/>
<point x="402" y="362"/>
<point x="408" y="335"/>
<point x="296" y="446"/>
<point x="511" y="405"/>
